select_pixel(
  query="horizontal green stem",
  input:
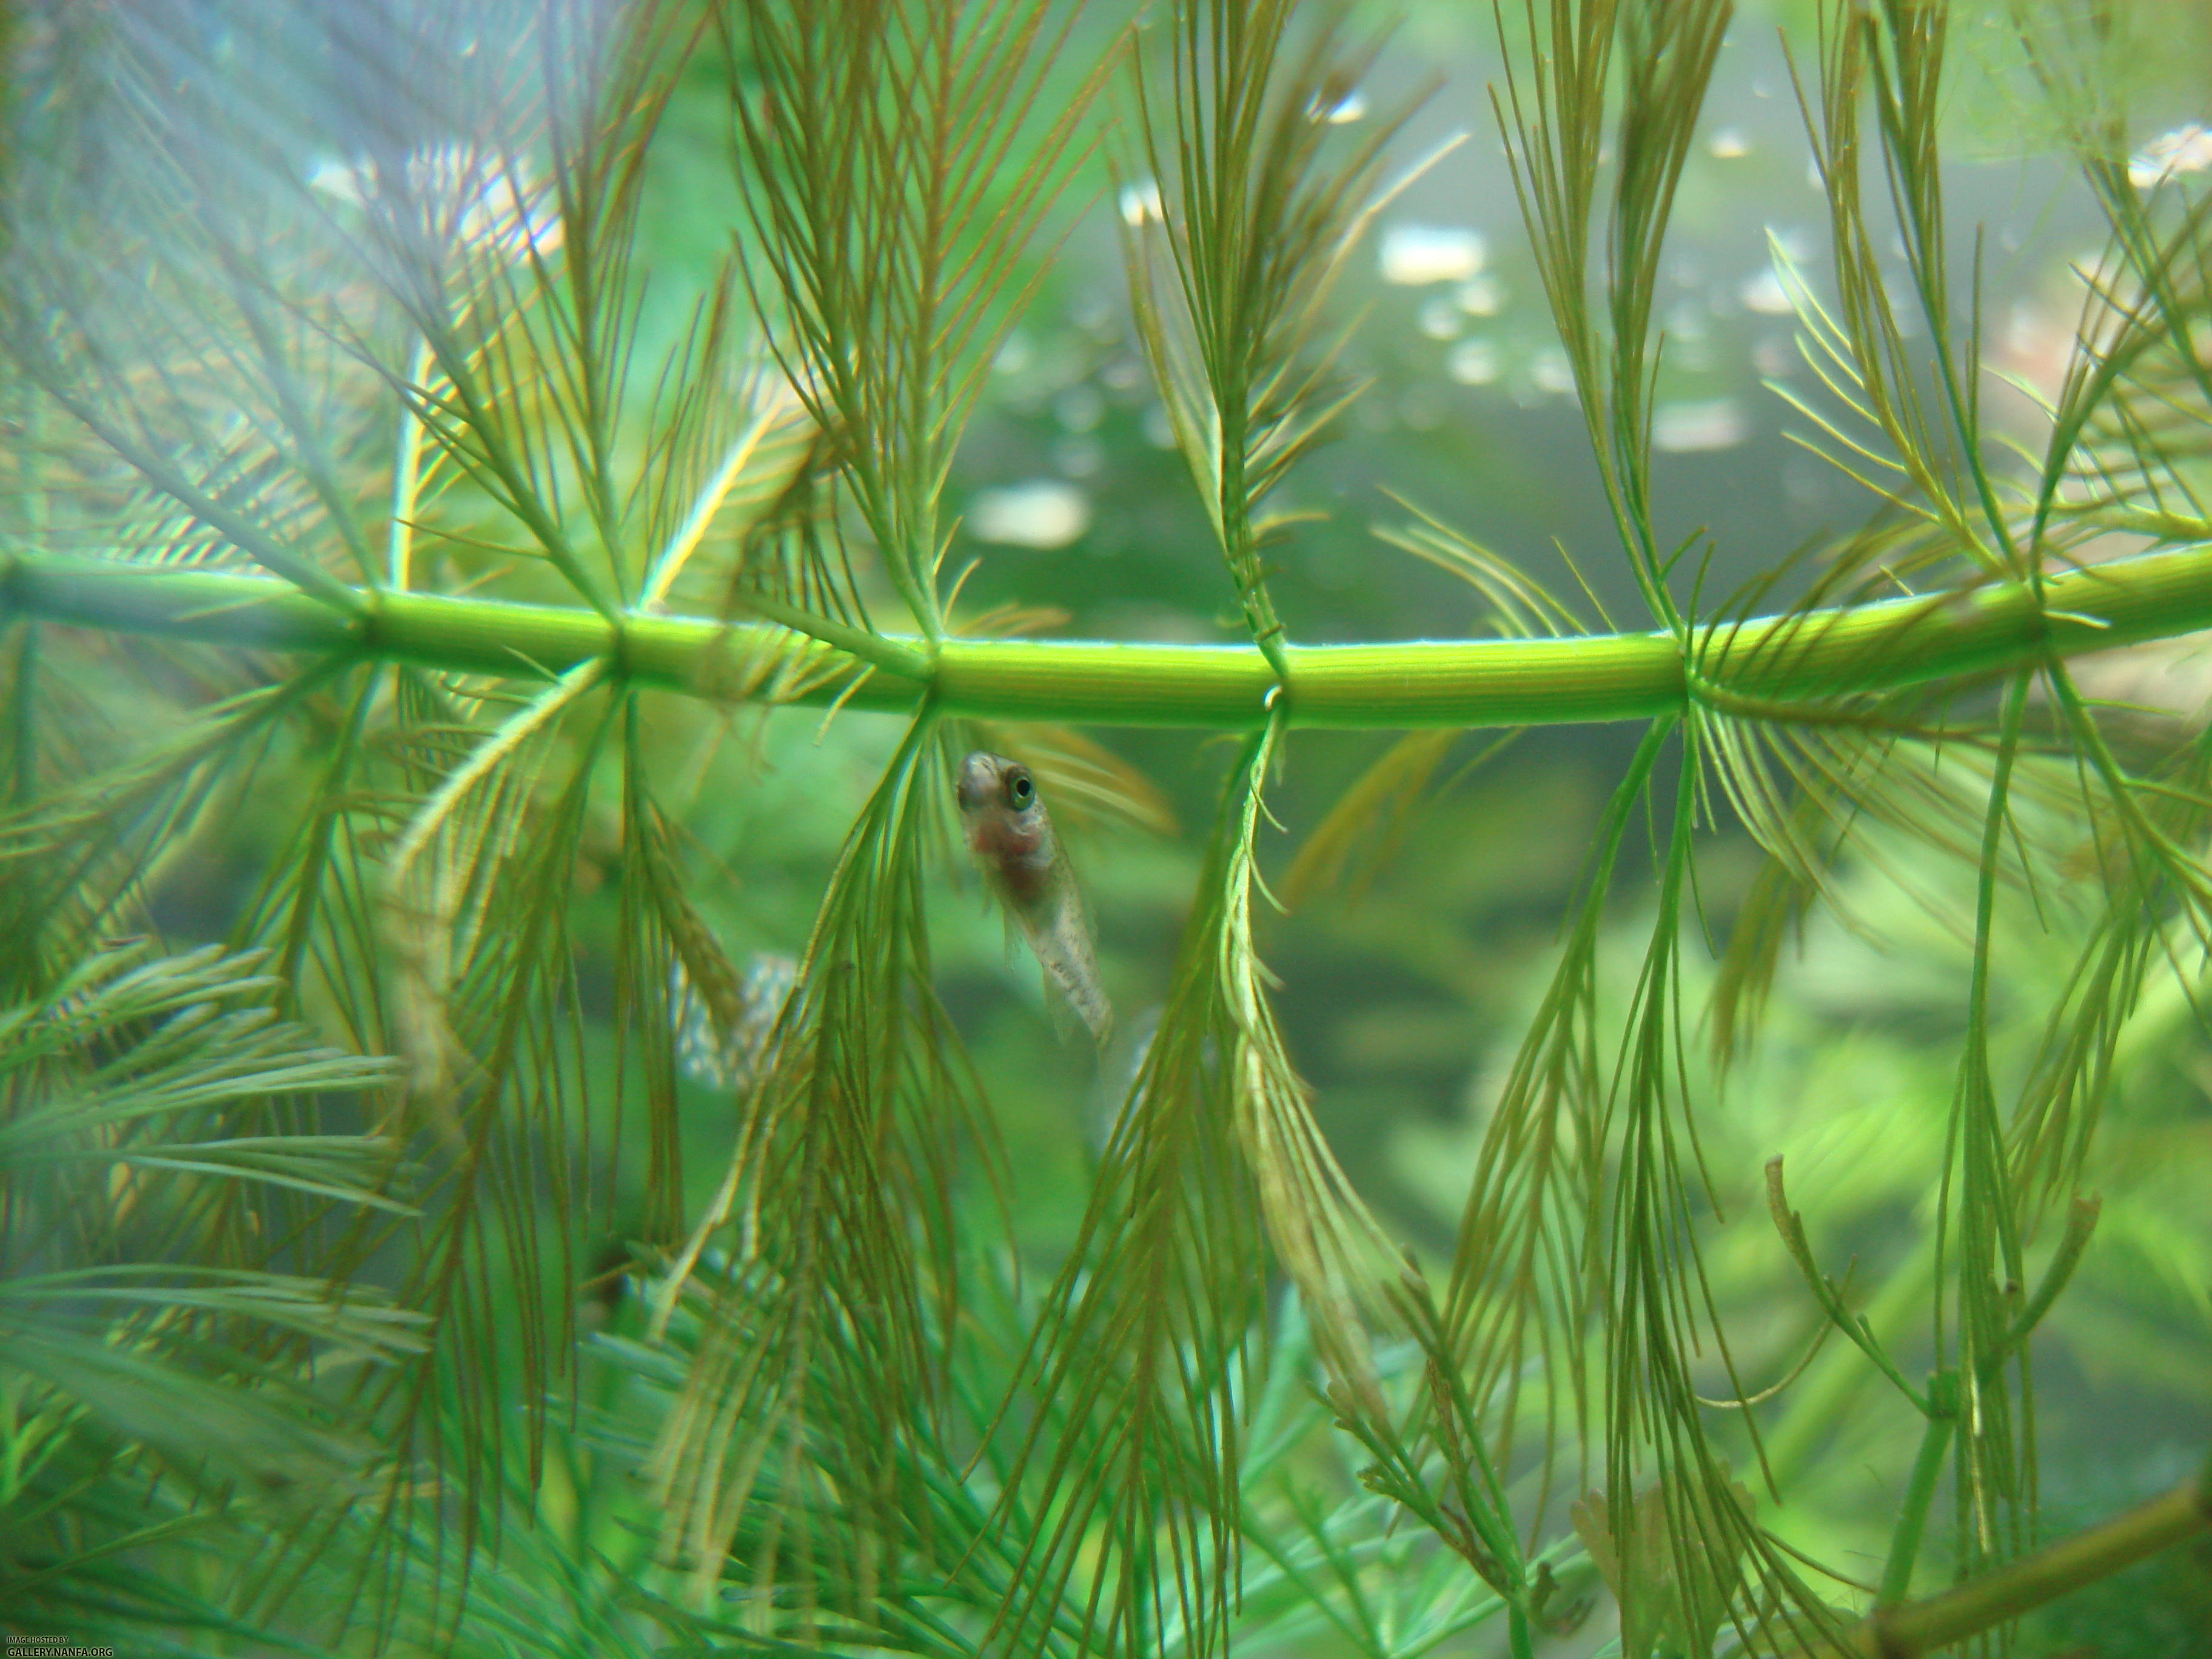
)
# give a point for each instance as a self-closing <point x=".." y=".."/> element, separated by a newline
<point x="1758" y="667"/>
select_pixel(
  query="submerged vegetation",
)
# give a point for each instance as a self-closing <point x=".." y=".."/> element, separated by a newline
<point x="440" y="642"/>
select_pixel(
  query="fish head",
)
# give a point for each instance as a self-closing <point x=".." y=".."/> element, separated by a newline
<point x="992" y="783"/>
<point x="1006" y="825"/>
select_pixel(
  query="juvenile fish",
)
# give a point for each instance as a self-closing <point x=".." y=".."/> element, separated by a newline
<point x="1013" y="840"/>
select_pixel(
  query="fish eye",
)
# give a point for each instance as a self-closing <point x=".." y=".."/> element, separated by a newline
<point x="1020" y="792"/>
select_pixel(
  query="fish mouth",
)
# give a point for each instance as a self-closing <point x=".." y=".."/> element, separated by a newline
<point x="979" y="781"/>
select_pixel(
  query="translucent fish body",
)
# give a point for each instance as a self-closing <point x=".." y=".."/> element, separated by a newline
<point x="1011" y="836"/>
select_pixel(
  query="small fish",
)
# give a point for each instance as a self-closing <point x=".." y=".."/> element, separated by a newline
<point x="1013" y="840"/>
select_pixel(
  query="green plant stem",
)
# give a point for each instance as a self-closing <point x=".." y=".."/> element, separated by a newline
<point x="1519" y="1638"/>
<point x="2021" y="1586"/>
<point x="1472" y="683"/>
<point x="1920" y="1492"/>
